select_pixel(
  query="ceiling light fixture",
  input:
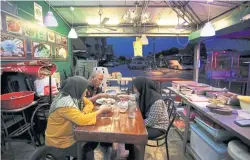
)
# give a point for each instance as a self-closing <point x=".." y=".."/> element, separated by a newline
<point x="208" y="29"/>
<point x="144" y="40"/>
<point x="50" y="20"/>
<point x="72" y="34"/>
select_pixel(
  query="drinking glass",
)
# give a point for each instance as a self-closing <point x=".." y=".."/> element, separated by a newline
<point x="116" y="112"/>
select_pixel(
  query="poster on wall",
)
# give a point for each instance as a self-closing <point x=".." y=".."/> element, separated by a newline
<point x="51" y="36"/>
<point x="64" y="41"/>
<point x="30" y="30"/>
<point x="58" y="39"/>
<point x="41" y="50"/>
<point x="61" y="53"/>
<point x="38" y="12"/>
<point x="42" y="34"/>
<point x="13" y="25"/>
<point x="12" y="47"/>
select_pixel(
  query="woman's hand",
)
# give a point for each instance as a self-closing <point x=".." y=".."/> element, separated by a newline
<point x="103" y="110"/>
<point x="103" y="95"/>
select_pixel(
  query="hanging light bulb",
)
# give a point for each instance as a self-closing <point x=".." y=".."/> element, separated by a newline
<point x="144" y="40"/>
<point x="50" y="20"/>
<point x="72" y="34"/>
<point x="208" y="30"/>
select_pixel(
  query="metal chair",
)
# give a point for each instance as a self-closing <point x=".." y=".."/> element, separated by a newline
<point x="171" y="109"/>
<point x="46" y="153"/>
<point x="38" y="122"/>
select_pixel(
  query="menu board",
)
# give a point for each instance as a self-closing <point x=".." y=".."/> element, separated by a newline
<point x="27" y="40"/>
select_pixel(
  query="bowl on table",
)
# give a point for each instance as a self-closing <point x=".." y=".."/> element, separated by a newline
<point x="244" y="102"/>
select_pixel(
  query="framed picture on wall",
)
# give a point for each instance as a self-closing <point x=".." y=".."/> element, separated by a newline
<point x="64" y="41"/>
<point x="61" y="53"/>
<point x="42" y="34"/>
<point x="13" y="25"/>
<point x="38" y="12"/>
<point x="41" y="50"/>
<point x="12" y="47"/>
<point x="58" y="39"/>
<point x="51" y="36"/>
<point x="30" y="30"/>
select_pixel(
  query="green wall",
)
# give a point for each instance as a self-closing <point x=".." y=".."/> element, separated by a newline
<point x="62" y="28"/>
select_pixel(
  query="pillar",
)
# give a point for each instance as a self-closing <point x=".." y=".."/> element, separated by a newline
<point x="196" y="62"/>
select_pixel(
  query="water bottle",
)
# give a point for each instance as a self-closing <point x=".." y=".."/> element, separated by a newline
<point x="131" y="109"/>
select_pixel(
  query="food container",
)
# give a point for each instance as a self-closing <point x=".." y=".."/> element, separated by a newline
<point x="204" y="146"/>
<point x="244" y="102"/>
<point x="17" y="100"/>
<point x="216" y="133"/>
<point x="177" y="84"/>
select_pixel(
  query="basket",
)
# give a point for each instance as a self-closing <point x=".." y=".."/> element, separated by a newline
<point x="16" y="100"/>
<point x="218" y="134"/>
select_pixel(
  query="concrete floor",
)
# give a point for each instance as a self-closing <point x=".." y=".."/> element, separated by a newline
<point x="22" y="150"/>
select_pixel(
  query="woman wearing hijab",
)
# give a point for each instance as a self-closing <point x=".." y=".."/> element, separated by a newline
<point x="69" y="109"/>
<point x="153" y="109"/>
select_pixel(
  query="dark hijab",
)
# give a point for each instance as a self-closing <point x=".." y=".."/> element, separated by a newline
<point x="70" y="94"/>
<point x="148" y="93"/>
<point x="74" y="86"/>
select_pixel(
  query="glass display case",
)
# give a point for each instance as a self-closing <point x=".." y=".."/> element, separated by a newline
<point x="222" y="64"/>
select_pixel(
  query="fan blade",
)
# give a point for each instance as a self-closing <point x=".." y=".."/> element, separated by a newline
<point x="104" y="21"/>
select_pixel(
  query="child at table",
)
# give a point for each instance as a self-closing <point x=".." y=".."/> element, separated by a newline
<point x="69" y="109"/>
<point x="153" y="109"/>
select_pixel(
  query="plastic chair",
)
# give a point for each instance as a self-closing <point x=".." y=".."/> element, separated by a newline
<point x="172" y="114"/>
<point x="38" y="122"/>
<point x="46" y="153"/>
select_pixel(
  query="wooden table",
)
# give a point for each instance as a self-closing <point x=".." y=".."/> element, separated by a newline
<point x="124" y="130"/>
<point x="225" y="121"/>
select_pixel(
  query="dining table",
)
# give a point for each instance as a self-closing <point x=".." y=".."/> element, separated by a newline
<point x="107" y="129"/>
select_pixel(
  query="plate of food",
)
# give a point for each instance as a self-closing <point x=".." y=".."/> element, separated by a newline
<point x="111" y="92"/>
<point x="105" y="101"/>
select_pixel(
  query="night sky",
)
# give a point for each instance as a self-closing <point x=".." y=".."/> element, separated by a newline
<point x="123" y="46"/>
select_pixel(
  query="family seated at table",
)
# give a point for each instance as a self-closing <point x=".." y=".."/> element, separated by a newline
<point x="74" y="106"/>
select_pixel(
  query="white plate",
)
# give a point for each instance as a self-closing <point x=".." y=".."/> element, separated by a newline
<point x="105" y="100"/>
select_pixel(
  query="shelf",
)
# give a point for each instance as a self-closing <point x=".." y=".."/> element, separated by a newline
<point x="190" y="151"/>
<point x="20" y="130"/>
<point x="10" y="120"/>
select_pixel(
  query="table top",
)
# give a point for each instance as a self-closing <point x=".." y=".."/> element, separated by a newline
<point x="19" y="109"/>
<point x="106" y="129"/>
<point x="122" y="78"/>
<point x="225" y="121"/>
<point x="166" y="79"/>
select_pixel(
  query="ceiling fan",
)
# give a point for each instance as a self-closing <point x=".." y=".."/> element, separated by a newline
<point x="103" y="22"/>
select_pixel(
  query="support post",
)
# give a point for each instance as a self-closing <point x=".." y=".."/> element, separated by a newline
<point x="248" y="81"/>
<point x="196" y="62"/>
<point x="50" y="90"/>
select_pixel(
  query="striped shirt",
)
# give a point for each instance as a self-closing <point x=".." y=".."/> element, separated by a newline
<point x="157" y="117"/>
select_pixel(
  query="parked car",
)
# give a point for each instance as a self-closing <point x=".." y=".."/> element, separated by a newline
<point x="174" y="64"/>
<point x="138" y="65"/>
<point x="108" y="64"/>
